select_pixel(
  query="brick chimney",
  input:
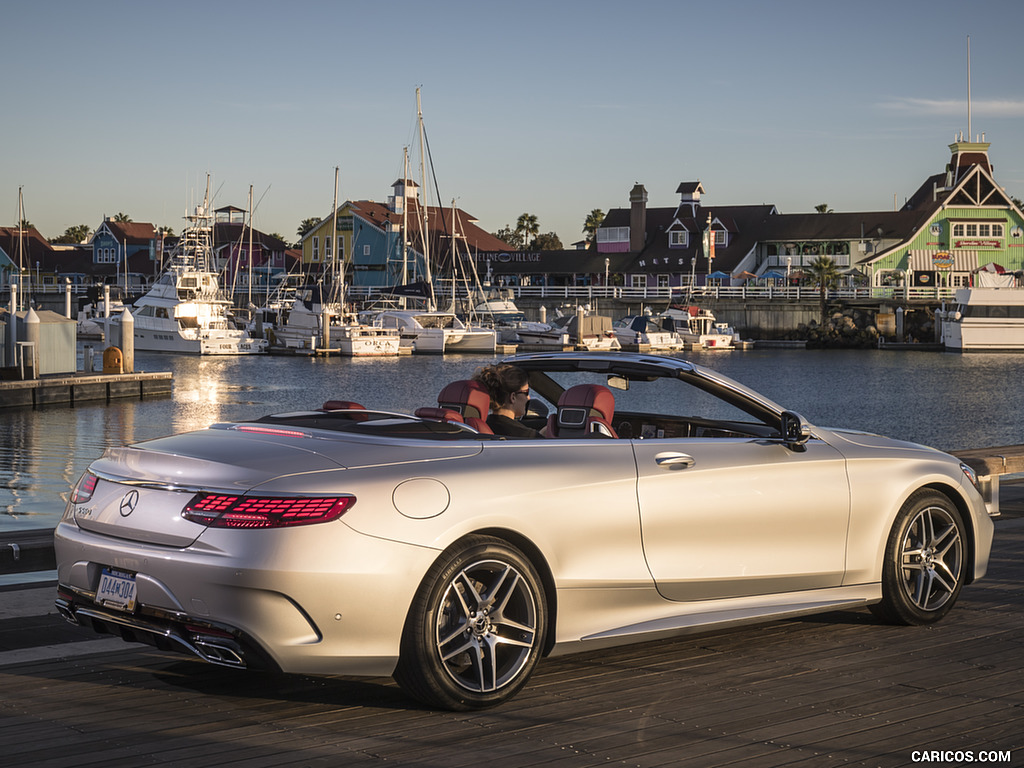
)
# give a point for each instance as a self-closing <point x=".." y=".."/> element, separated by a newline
<point x="637" y="217"/>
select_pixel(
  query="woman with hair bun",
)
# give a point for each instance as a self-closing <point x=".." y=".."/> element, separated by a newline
<point x="509" y="388"/>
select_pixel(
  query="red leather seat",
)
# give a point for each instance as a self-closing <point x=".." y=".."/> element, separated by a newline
<point x="469" y="399"/>
<point x="585" y="410"/>
<point x="346" y="405"/>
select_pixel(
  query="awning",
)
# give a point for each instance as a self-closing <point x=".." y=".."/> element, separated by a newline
<point x="773" y="275"/>
<point x="921" y="260"/>
<point x="717" y="275"/>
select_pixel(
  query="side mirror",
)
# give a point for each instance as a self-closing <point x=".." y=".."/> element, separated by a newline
<point x="795" y="431"/>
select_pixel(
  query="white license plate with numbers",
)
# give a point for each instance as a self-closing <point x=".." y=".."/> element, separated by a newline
<point x="116" y="590"/>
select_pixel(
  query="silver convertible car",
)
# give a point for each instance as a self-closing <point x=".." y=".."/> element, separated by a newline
<point x="665" y="499"/>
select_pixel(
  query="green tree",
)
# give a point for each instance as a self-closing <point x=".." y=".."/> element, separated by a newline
<point x="548" y="241"/>
<point x="825" y="274"/>
<point x="508" y="235"/>
<point x="822" y="208"/>
<point x="593" y="223"/>
<point x="122" y="218"/>
<point x="527" y="227"/>
<point x="76" y="234"/>
<point x="165" y="231"/>
<point x="305" y="226"/>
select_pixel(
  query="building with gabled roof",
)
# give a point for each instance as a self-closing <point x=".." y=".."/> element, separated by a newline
<point x="964" y="221"/>
<point x="666" y="244"/>
<point x="370" y="242"/>
<point x="123" y="248"/>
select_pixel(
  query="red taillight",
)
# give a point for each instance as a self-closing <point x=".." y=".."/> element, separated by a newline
<point x="217" y="510"/>
<point x="84" y="490"/>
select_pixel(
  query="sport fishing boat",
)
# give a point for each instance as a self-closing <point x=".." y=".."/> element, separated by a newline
<point x="185" y="310"/>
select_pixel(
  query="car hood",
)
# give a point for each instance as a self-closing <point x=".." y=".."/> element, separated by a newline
<point x="847" y="439"/>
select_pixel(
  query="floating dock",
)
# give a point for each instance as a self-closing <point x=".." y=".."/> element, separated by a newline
<point x="72" y="389"/>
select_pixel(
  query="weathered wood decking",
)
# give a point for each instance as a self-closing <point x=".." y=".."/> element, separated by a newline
<point x="832" y="690"/>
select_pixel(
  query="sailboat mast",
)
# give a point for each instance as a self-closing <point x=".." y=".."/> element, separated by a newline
<point x="250" y="246"/>
<point x="423" y="204"/>
<point x="337" y="281"/>
<point x="405" y="222"/>
<point x="21" y="252"/>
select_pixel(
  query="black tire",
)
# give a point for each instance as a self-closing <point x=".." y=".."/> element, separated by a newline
<point x="476" y="627"/>
<point x="925" y="561"/>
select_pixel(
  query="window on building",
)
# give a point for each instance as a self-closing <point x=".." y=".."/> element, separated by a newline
<point x="663" y="281"/>
<point x="997" y="230"/>
<point x="366" y="250"/>
<point x="613" y="235"/>
<point x="638" y="281"/>
<point x="341" y="247"/>
<point x="720" y="237"/>
<point x="678" y="239"/>
<point x="316" y="249"/>
<point x="327" y="249"/>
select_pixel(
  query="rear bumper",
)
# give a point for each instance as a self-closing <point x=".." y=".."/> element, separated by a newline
<point x="217" y="644"/>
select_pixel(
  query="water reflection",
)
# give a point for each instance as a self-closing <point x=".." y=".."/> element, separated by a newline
<point x="949" y="401"/>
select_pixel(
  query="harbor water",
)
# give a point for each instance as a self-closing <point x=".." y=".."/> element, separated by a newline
<point x="948" y="401"/>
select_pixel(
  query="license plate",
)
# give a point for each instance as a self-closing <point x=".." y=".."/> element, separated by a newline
<point x="117" y="590"/>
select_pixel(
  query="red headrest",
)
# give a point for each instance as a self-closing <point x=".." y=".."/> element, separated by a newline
<point x="593" y="397"/>
<point x="345" y="405"/>
<point x="439" y="414"/>
<point x="468" y="397"/>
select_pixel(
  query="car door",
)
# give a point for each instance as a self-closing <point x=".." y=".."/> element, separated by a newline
<point x="727" y="517"/>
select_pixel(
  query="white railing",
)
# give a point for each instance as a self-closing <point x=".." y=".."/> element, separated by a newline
<point x="654" y="293"/>
<point x="586" y="293"/>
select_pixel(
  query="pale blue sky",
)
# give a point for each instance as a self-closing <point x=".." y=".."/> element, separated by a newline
<point x="553" y="108"/>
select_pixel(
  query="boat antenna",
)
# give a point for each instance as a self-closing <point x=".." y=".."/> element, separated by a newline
<point x="970" y="132"/>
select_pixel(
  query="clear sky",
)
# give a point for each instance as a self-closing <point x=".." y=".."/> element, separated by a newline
<point x="553" y="108"/>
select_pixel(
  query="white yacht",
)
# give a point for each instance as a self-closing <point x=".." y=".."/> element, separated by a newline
<point x="985" y="320"/>
<point x="435" y="332"/>
<point x="644" y="330"/>
<point x="185" y="311"/>
<point x="297" y="323"/>
<point x="698" y="326"/>
<point x="593" y="333"/>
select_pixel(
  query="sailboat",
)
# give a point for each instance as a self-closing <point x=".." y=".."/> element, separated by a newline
<point x="316" y="315"/>
<point x="431" y="330"/>
<point x="185" y="310"/>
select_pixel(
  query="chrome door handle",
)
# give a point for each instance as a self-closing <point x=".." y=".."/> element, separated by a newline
<point x="673" y="459"/>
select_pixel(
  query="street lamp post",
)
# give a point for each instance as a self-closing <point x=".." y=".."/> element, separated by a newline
<point x="606" y="262"/>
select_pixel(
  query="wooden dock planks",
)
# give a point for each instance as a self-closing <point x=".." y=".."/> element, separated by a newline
<point x="831" y="690"/>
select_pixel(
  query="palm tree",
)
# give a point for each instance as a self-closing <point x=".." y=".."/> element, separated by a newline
<point x="526" y="226"/>
<point x="822" y="208"/>
<point x="593" y="223"/>
<point x="825" y="274"/>
<point x="123" y="218"/>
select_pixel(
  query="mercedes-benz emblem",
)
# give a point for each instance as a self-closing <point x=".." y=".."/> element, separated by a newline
<point x="129" y="502"/>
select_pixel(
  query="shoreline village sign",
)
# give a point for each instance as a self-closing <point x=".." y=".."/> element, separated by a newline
<point x="508" y="257"/>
